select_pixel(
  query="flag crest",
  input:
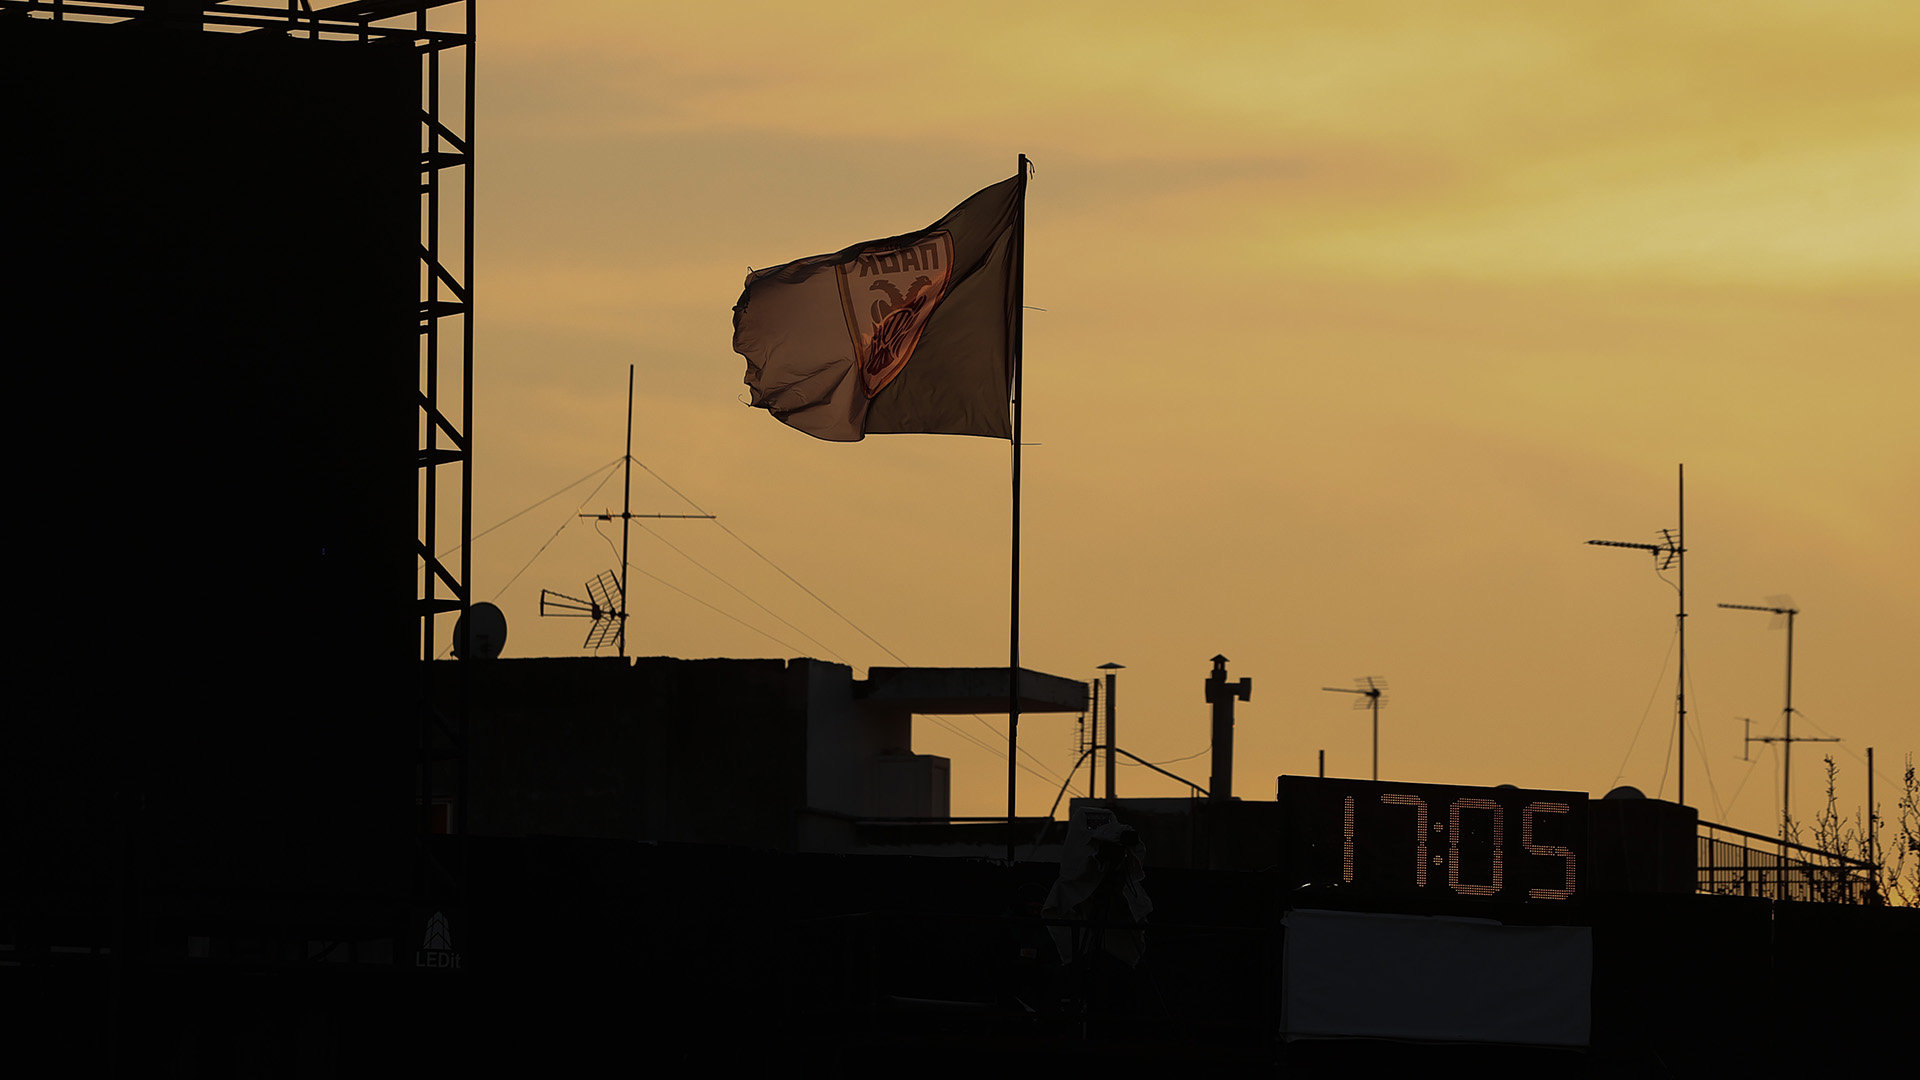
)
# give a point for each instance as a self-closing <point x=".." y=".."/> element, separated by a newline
<point x="912" y="333"/>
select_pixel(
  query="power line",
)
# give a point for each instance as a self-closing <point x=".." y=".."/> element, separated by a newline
<point x="710" y="607"/>
<point x="984" y="722"/>
<point x="1699" y="738"/>
<point x="556" y="533"/>
<point x="797" y="583"/>
<point x="555" y="536"/>
<point x="1644" y="713"/>
<point x="989" y="747"/>
<point x="756" y="551"/>
<point x="941" y="721"/>
<point x="742" y="592"/>
<point x="1169" y="761"/>
<point x="535" y="506"/>
<point x="723" y="581"/>
<point x="1802" y="714"/>
<point x="1666" y="763"/>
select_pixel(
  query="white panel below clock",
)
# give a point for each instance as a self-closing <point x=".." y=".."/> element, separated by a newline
<point x="1435" y="979"/>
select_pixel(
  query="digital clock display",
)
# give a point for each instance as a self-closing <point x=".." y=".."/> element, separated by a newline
<point x="1434" y="841"/>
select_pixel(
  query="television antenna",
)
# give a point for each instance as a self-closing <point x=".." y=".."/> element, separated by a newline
<point x="617" y="612"/>
<point x="1373" y="695"/>
<point x="1783" y="611"/>
<point x="608" y="617"/>
<point x="1671" y="551"/>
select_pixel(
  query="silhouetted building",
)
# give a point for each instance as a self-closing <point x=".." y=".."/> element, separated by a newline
<point x="213" y="259"/>
<point x="213" y="267"/>
<point x="793" y="755"/>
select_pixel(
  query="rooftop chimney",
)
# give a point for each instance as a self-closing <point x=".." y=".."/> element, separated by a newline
<point x="1221" y="695"/>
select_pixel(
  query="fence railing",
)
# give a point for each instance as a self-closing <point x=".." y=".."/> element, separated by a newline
<point x="1734" y="862"/>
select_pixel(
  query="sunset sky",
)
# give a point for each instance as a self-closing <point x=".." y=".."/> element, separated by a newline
<point x="1358" y="321"/>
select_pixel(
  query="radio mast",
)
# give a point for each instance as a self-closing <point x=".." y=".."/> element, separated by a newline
<point x="602" y="607"/>
<point x="1671" y="551"/>
<point x="1783" y="613"/>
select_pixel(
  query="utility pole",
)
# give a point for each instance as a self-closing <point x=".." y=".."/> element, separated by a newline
<point x="1786" y="814"/>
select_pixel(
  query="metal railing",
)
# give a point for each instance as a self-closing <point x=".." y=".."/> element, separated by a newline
<point x="1734" y="862"/>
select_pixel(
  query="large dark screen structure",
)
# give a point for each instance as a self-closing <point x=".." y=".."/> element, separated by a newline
<point x="212" y="262"/>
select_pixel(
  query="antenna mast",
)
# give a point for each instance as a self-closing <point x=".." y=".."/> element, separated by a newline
<point x="1783" y="615"/>
<point x="1672" y="550"/>
<point x="1373" y="691"/>
<point x="626" y="515"/>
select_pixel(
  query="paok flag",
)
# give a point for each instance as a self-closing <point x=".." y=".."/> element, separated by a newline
<point x="910" y="333"/>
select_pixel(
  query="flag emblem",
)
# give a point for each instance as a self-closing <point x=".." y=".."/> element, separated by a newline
<point x="910" y="333"/>
<point x="889" y="297"/>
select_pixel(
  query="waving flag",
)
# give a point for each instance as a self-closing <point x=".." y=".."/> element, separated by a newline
<point x="913" y="333"/>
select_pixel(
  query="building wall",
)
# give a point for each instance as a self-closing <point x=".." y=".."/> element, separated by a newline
<point x="212" y="262"/>
<point x="703" y="751"/>
<point x="765" y="753"/>
<point x="836" y="738"/>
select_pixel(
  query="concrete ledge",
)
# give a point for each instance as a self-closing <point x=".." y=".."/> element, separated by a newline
<point x="939" y="691"/>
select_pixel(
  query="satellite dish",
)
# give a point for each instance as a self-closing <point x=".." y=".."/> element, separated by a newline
<point x="1626" y="791"/>
<point x="489" y="631"/>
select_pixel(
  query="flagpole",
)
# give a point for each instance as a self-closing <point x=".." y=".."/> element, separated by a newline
<point x="1019" y="400"/>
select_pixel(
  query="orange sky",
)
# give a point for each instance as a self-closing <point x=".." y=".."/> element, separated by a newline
<point x="1360" y="320"/>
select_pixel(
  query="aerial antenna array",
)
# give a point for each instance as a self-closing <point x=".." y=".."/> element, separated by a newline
<point x="1783" y="612"/>
<point x="1373" y="693"/>
<point x="1666" y="552"/>
<point x="609" y="617"/>
<point x="1671" y="551"/>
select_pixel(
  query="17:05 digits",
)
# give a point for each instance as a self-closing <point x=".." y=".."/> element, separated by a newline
<point x="1454" y="810"/>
